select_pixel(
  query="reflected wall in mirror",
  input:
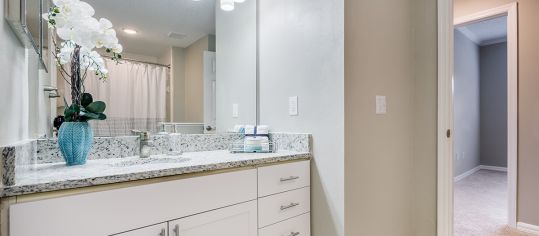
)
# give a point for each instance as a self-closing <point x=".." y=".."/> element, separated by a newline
<point x="186" y="65"/>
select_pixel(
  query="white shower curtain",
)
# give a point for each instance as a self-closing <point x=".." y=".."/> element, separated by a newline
<point x="135" y="95"/>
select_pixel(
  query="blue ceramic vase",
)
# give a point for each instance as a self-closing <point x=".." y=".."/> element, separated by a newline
<point x="75" y="140"/>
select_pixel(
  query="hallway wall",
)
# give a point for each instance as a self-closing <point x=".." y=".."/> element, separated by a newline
<point x="493" y="104"/>
<point x="466" y="78"/>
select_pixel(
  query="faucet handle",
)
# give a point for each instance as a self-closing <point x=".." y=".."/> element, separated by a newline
<point x="144" y="135"/>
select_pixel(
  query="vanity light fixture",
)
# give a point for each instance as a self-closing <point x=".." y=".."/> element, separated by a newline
<point x="129" y="31"/>
<point x="227" y="5"/>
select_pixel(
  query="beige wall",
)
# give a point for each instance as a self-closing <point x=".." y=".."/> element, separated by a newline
<point x="188" y="80"/>
<point x="177" y="76"/>
<point x="390" y="160"/>
<point x="194" y="80"/>
<point x="528" y="115"/>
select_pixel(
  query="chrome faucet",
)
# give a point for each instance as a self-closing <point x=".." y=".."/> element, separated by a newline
<point x="145" y="145"/>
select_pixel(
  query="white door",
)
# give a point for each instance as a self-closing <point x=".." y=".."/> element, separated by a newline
<point x="237" y="220"/>
<point x="154" y="230"/>
<point x="209" y="92"/>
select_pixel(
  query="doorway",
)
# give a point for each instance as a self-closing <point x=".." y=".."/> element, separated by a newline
<point x="446" y="112"/>
<point x="480" y="127"/>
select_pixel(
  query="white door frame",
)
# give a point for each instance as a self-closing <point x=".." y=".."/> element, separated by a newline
<point x="446" y="26"/>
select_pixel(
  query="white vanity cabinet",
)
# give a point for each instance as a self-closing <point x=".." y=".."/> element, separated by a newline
<point x="266" y="201"/>
<point x="238" y="220"/>
<point x="284" y="195"/>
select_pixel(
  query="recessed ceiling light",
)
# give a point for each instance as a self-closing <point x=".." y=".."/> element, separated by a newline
<point x="227" y="5"/>
<point x="129" y="31"/>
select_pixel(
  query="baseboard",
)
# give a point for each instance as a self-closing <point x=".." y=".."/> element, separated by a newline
<point x="477" y="168"/>
<point x="495" y="168"/>
<point x="531" y="229"/>
<point x="466" y="174"/>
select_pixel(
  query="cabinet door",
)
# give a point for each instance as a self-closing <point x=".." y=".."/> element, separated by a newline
<point x="237" y="220"/>
<point x="154" y="230"/>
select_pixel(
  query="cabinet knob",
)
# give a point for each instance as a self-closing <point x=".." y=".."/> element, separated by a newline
<point x="163" y="232"/>
<point x="294" y="204"/>
<point x="294" y="234"/>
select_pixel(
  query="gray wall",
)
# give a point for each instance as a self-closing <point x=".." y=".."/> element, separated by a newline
<point x="493" y="67"/>
<point x="466" y="104"/>
<point x="302" y="54"/>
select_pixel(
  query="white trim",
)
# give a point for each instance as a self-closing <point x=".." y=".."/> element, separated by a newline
<point x="445" y="108"/>
<point x="512" y="111"/>
<point x="477" y="168"/>
<point x="467" y="173"/>
<point x="445" y="119"/>
<point x="528" y="228"/>
<point x="493" y="41"/>
<point x="494" y="168"/>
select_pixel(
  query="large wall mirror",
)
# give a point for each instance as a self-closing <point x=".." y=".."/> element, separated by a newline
<point x="24" y="17"/>
<point x="188" y="66"/>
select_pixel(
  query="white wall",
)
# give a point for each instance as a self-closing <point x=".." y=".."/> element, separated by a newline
<point x="236" y="65"/>
<point x="13" y="85"/>
<point x="302" y="54"/>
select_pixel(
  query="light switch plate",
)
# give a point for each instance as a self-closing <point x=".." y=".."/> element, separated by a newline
<point x="235" y="110"/>
<point x="293" y="106"/>
<point x="381" y="105"/>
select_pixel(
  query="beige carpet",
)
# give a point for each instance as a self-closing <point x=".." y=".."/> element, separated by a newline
<point x="481" y="205"/>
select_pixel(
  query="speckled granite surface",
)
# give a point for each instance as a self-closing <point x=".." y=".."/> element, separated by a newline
<point x="36" y="160"/>
<point x="56" y="176"/>
<point x="292" y="141"/>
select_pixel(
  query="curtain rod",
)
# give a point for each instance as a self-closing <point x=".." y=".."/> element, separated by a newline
<point x="145" y="62"/>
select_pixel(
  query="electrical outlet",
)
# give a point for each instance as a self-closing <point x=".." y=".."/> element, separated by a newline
<point x="381" y="105"/>
<point x="293" y="106"/>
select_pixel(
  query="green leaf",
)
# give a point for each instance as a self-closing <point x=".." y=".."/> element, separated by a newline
<point x="102" y="116"/>
<point x="86" y="99"/>
<point x="96" y="107"/>
<point x="71" y="111"/>
<point x="89" y="115"/>
<point x="85" y="116"/>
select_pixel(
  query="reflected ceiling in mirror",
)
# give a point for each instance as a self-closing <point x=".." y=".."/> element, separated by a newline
<point x="186" y="66"/>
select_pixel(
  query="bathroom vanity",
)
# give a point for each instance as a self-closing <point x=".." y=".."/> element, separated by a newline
<point x="200" y="193"/>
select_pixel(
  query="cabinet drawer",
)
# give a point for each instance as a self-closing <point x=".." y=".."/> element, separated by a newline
<point x="297" y="226"/>
<point x="279" y="207"/>
<point x="281" y="178"/>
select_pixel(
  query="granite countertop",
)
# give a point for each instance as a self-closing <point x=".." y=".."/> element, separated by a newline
<point x="57" y="176"/>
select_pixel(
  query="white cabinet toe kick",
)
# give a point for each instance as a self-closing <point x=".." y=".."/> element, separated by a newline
<point x="265" y="201"/>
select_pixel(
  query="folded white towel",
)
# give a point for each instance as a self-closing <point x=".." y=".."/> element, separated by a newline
<point x="250" y="129"/>
<point x="262" y="129"/>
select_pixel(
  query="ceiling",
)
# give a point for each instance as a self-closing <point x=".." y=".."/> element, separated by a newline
<point x="486" y="32"/>
<point x="155" y="19"/>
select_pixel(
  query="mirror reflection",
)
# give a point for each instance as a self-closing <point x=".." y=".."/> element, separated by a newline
<point x="187" y="67"/>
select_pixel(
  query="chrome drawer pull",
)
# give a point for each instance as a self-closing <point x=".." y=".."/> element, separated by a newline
<point x="289" y="178"/>
<point x="176" y="230"/>
<point x="289" y="206"/>
<point x="294" y="234"/>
